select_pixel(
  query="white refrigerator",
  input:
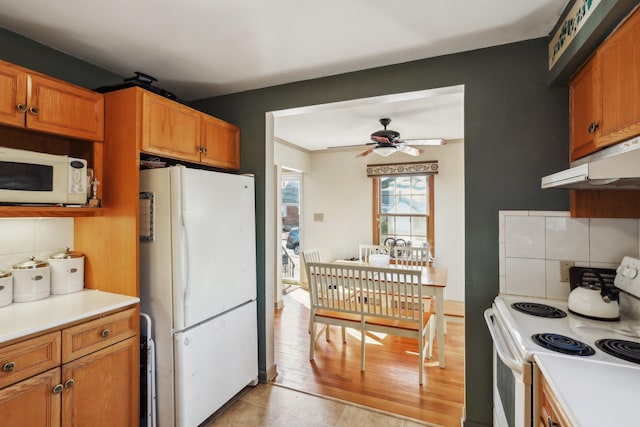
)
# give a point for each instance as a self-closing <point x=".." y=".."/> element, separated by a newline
<point x="198" y="284"/>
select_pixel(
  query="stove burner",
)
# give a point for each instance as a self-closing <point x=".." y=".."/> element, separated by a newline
<point x="540" y="310"/>
<point x="627" y="350"/>
<point x="563" y="344"/>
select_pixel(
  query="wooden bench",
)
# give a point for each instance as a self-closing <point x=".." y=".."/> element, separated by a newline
<point x="369" y="299"/>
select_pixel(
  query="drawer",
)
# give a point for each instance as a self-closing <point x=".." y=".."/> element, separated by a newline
<point x="91" y="336"/>
<point x="30" y="357"/>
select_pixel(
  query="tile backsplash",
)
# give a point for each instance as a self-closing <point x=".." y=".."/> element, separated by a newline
<point x="21" y="238"/>
<point x="532" y="244"/>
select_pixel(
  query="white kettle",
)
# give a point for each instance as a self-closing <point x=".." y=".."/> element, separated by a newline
<point x="594" y="300"/>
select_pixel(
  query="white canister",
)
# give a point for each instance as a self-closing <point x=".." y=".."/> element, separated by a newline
<point x="6" y="288"/>
<point x="67" y="272"/>
<point x="31" y="280"/>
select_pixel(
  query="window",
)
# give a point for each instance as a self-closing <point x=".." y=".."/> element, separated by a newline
<point x="403" y="209"/>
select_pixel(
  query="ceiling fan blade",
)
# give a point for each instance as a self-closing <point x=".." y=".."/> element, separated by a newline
<point x="350" y="146"/>
<point x="412" y="151"/>
<point x="426" y="141"/>
<point x="366" y="153"/>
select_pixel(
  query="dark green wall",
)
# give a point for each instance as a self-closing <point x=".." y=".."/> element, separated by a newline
<point x="516" y="131"/>
<point x="35" y="56"/>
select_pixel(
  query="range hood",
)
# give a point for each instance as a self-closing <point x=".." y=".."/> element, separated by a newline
<point x="615" y="167"/>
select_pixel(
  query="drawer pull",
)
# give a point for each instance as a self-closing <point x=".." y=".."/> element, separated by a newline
<point x="58" y="389"/>
<point x="34" y="278"/>
<point x="69" y="383"/>
<point x="21" y="107"/>
<point x="73" y="270"/>
<point x="9" y="366"/>
<point x="105" y="333"/>
<point x="34" y="110"/>
<point x="551" y="423"/>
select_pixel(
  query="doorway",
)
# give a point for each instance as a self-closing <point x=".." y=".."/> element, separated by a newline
<point x="290" y="209"/>
<point x="336" y="217"/>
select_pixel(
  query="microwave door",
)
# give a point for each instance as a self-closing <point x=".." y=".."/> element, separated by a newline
<point x="33" y="182"/>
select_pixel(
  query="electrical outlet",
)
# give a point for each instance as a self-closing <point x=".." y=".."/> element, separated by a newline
<point x="564" y="270"/>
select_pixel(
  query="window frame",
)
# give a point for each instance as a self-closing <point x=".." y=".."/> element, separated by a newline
<point x="430" y="214"/>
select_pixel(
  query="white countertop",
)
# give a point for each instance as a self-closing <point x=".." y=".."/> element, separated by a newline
<point x="593" y="393"/>
<point x="25" y="318"/>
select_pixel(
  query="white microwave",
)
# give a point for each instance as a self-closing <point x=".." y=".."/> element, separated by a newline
<point x="29" y="177"/>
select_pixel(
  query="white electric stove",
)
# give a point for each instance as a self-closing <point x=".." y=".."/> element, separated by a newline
<point x="520" y="330"/>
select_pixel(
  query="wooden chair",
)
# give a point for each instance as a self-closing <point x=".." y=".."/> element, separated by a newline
<point x="366" y="250"/>
<point x="415" y="257"/>
<point x="411" y="256"/>
<point x="311" y="255"/>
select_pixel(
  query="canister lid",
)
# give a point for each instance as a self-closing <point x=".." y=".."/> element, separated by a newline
<point x="4" y="274"/>
<point x="67" y="254"/>
<point x="31" y="263"/>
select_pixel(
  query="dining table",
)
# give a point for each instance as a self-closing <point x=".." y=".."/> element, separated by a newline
<point x="434" y="281"/>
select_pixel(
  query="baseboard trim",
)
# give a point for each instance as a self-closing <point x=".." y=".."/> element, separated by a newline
<point x="272" y="372"/>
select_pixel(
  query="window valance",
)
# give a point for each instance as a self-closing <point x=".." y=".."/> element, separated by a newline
<point x="409" y="168"/>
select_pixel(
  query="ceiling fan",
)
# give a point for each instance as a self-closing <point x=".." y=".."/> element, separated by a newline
<point x="388" y="141"/>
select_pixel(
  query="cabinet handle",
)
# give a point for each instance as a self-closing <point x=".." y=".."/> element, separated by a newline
<point x="34" y="110"/>
<point x="9" y="366"/>
<point x="105" y="333"/>
<point x="204" y="150"/>
<point x="550" y="422"/>
<point x="57" y="389"/>
<point x="21" y="107"/>
<point x="593" y="126"/>
<point x="69" y="383"/>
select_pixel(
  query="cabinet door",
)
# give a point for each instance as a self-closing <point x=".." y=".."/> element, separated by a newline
<point x="102" y="389"/>
<point x="64" y="109"/>
<point x="620" y="56"/>
<point x="584" y="103"/>
<point x="13" y="95"/>
<point x="32" y="402"/>
<point x="221" y="143"/>
<point x="169" y="129"/>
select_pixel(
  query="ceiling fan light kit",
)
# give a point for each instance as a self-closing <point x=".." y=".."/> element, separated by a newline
<point x="385" y="151"/>
<point x="388" y="141"/>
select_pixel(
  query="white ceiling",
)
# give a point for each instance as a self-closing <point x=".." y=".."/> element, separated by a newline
<point x="203" y="48"/>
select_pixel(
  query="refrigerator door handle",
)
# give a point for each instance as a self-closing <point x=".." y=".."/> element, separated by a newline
<point x="185" y="257"/>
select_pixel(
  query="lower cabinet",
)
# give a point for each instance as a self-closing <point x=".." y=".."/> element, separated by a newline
<point x="550" y="413"/>
<point x="32" y="402"/>
<point x="101" y="392"/>
<point x="95" y="382"/>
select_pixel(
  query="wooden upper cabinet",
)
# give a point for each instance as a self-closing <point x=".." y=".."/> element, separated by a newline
<point x="605" y="93"/>
<point x="34" y="101"/>
<point x="57" y="107"/>
<point x="13" y="95"/>
<point x="169" y="128"/>
<point x="583" y="94"/>
<point x="620" y="62"/>
<point x="221" y="143"/>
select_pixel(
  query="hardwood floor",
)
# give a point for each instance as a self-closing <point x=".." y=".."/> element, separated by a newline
<point x="390" y="381"/>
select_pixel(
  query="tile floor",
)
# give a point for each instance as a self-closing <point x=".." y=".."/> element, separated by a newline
<point x="273" y="405"/>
